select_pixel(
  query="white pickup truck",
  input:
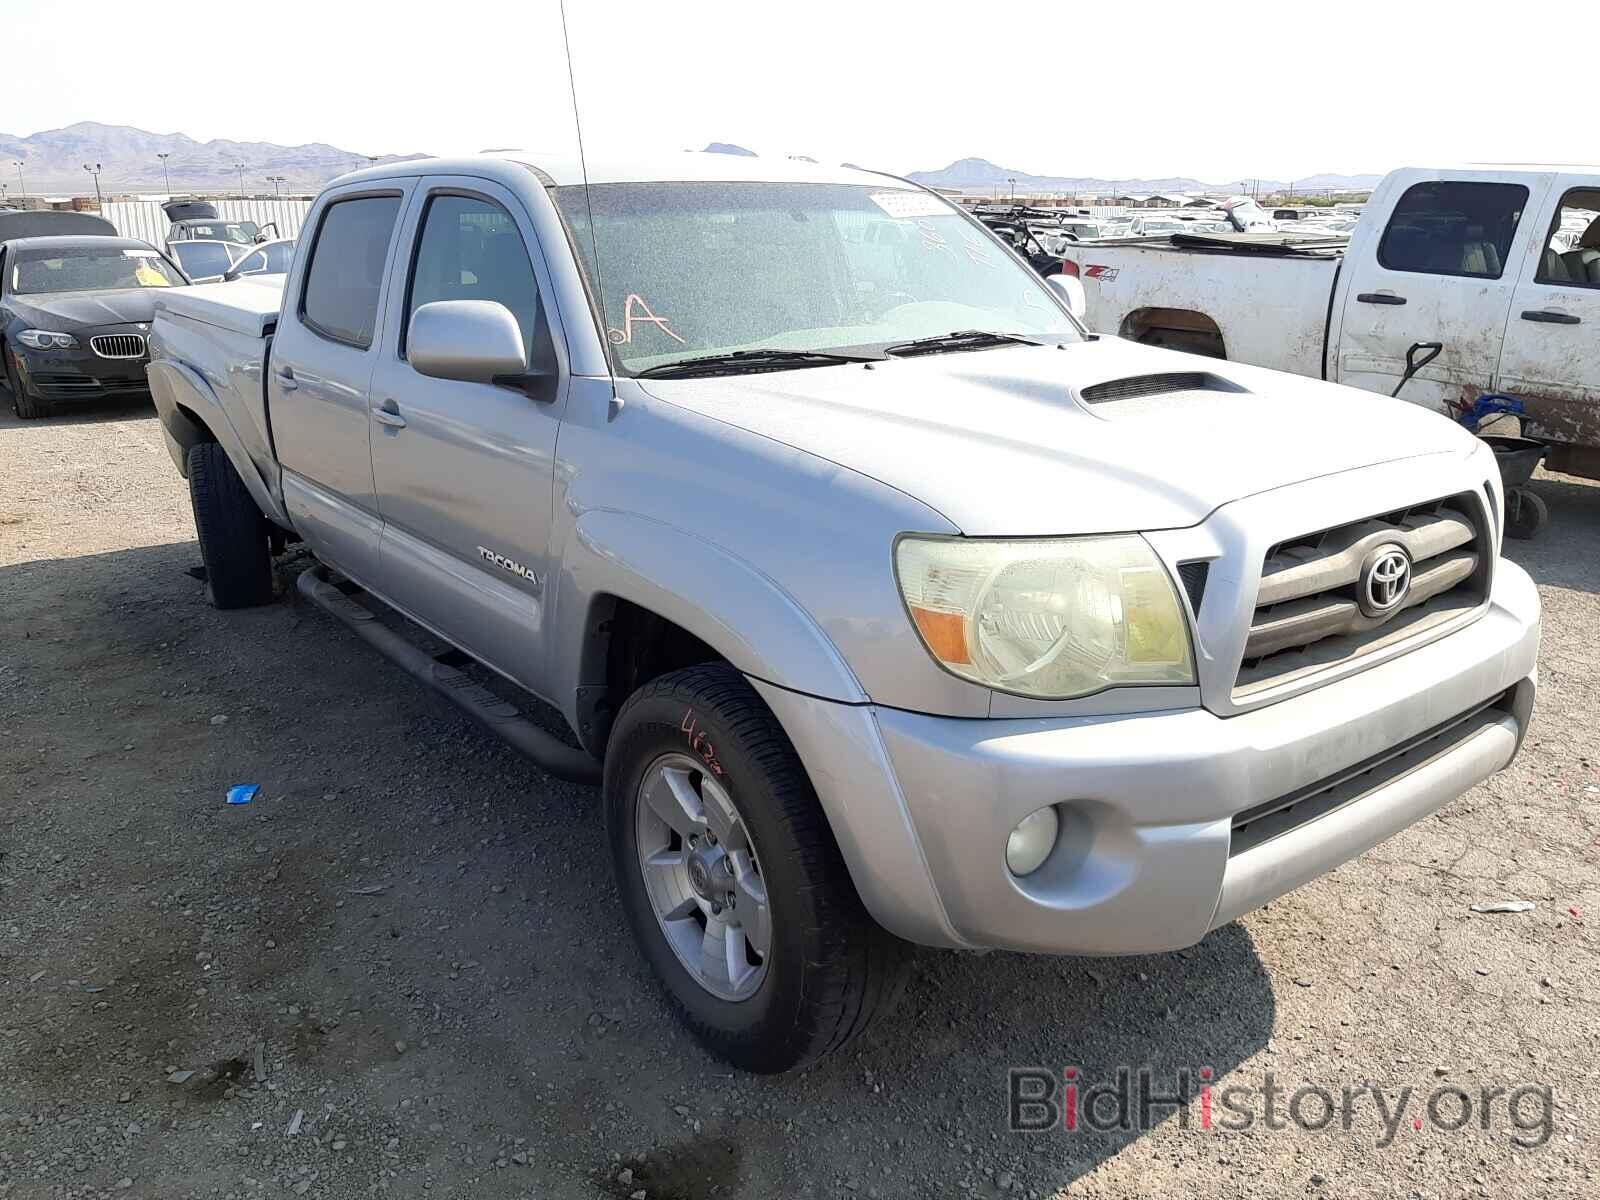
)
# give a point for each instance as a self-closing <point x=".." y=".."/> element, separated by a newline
<point x="1499" y="265"/>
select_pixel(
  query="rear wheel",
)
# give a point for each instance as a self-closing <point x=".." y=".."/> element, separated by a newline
<point x="233" y="533"/>
<point x="731" y="879"/>
<point x="26" y="408"/>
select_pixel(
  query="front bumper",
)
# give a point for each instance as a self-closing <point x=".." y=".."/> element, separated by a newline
<point x="1157" y="846"/>
<point x="66" y="375"/>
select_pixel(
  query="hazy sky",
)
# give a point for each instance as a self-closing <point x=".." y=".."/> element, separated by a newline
<point x="1211" y="89"/>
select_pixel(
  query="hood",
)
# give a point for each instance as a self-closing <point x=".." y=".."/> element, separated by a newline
<point x="64" y="312"/>
<point x="1002" y="442"/>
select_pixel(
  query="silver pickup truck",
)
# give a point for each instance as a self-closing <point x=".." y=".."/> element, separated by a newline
<point x="891" y="605"/>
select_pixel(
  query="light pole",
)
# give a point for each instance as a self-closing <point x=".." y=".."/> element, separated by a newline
<point x="23" y="187"/>
<point x="1013" y="182"/>
<point x="275" y="180"/>
<point x="95" y="171"/>
<point x="239" y="167"/>
<point x="164" y="177"/>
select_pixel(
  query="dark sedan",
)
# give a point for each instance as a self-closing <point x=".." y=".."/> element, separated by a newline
<point x="75" y="313"/>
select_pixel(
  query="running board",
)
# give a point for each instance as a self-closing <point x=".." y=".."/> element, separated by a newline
<point x="478" y="702"/>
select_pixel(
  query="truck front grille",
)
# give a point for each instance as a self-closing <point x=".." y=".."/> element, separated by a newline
<point x="1319" y="604"/>
<point x="118" y="345"/>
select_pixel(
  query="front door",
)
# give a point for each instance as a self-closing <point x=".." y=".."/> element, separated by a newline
<point x="464" y="471"/>
<point x="1551" y="361"/>
<point x="320" y="368"/>
<point x="1443" y="271"/>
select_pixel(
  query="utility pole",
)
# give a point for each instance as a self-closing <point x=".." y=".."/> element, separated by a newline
<point x="239" y="167"/>
<point x="164" y="177"/>
<point x="95" y="171"/>
<point x="20" y="184"/>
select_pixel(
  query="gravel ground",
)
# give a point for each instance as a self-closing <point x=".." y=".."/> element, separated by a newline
<point x="402" y="970"/>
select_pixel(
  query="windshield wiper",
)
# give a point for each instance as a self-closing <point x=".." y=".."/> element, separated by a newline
<point x="739" y="361"/>
<point x="960" y="339"/>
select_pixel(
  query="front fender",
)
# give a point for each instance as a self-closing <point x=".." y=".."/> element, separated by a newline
<point x="190" y="413"/>
<point x="726" y="602"/>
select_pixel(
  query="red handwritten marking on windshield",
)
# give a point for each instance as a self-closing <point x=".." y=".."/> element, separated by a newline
<point x="635" y="310"/>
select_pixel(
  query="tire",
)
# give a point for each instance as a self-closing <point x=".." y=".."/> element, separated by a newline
<point x="830" y="969"/>
<point x="1526" y="514"/>
<point x="233" y="533"/>
<point x="25" y="406"/>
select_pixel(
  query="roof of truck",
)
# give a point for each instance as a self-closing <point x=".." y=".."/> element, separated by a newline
<point x="688" y="165"/>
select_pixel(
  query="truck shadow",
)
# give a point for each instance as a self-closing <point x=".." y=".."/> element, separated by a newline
<point x="407" y="898"/>
<point x="1566" y="553"/>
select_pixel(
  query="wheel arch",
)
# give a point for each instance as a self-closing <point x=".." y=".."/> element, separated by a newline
<point x="190" y="414"/>
<point x="639" y="597"/>
<point x="1176" y="328"/>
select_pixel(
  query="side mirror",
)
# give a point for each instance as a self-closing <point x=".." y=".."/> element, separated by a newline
<point x="1070" y="289"/>
<point x="475" y="341"/>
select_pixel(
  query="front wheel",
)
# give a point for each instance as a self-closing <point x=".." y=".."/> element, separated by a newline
<point x="25" y="406"/>
<point x="732" y="881"/>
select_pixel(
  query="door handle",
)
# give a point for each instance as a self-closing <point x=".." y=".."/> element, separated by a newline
<point x="1546" y="317"/>
<point x="1380" y="298"/>
<point x="285" y="378"/>
<point x="388" y="413"/>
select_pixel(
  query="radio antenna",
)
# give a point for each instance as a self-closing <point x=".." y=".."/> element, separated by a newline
<point x="588" y="202"/>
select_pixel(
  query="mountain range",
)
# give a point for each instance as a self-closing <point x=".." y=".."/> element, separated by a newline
<point x="129" y="159"/>
<point x="53" y="160"/>
<point x="981" y="175"/>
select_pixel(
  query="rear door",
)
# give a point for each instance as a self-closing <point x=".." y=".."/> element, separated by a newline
<point x="1443" y="270"/>
<point x="465" y="471"/>
<point x="1552" y="350"/>
<point x="321" y="367"/>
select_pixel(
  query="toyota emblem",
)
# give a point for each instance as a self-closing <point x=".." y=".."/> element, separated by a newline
<point x="1385" y="580"/>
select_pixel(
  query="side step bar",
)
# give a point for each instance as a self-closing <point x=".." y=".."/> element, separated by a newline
<point x="478" y="702"/>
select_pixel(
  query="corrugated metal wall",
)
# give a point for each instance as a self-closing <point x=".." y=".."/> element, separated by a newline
<point x="143" y="219"/>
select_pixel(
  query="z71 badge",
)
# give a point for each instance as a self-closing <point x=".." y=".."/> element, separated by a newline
<point x="508" y="564"/>
<point x="1105" y="274"/>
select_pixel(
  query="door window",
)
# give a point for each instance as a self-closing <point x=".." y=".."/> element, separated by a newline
<point x="346" y="272"/>
<point x="470" y="249"/>
<point x="1449" y="228"/>
<point x="1571" y="256"/>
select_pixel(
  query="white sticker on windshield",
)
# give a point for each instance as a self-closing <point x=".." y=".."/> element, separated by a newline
<point x="141" y="254"/>
<point x="906" y="205"/>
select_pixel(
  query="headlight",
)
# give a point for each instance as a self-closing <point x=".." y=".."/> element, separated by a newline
<point x="1052" y="619"/>
<point x="43" y="339"/>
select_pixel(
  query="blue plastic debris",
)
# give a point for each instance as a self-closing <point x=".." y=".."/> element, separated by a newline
<point x="243" y="793"/>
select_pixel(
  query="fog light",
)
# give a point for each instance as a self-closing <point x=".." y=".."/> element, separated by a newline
<point x="1032" y="840"/>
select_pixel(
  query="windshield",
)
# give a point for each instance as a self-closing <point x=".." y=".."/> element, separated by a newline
<point x="89" y="270"/>
<point x="222" y="231"/>
<point x="691" y="269"/>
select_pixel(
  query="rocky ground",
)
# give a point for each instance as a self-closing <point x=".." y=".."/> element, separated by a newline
<point x="402" y="970"/>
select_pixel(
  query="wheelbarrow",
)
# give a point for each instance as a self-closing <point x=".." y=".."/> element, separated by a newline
<point x="1526" y="512"/>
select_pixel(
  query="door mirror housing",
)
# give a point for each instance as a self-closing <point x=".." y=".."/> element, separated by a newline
<point x="475" y="341"/>
<point x="1070" y="289"/>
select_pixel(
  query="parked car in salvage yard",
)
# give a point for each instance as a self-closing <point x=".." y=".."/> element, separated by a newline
<point x="75" y="312"/>
<point x="1497" y="267"/>
<point x="888" y="605"/>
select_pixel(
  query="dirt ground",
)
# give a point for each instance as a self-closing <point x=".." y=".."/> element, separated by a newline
<point x="402" y="970"/>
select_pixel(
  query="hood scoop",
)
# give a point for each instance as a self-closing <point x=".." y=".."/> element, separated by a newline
<point x="1136" y="386"/>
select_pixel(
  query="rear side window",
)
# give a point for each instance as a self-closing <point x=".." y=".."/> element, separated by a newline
<point x="1448" y="228"/>
<point x="346" y="271"/>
